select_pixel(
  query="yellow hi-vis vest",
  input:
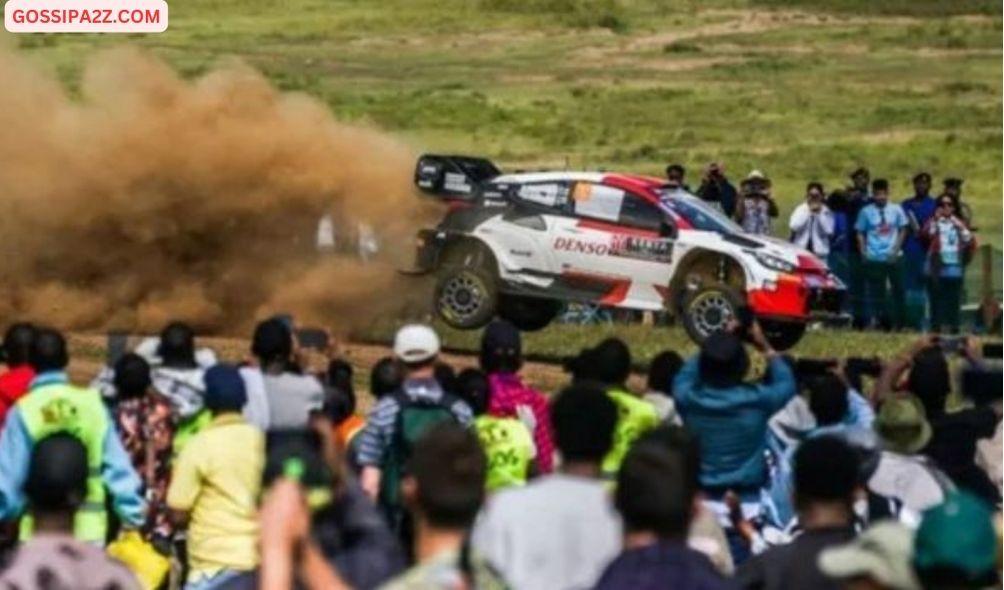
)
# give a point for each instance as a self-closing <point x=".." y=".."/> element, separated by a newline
<point x="56" y="408"/>
<point x="508" y="447"/>
<point x="635" y="417"/>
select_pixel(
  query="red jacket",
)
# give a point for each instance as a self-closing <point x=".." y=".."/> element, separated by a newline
<point x="13" y="384"/>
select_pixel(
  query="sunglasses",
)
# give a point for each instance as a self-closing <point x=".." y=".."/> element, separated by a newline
<point x="947" y="204"/>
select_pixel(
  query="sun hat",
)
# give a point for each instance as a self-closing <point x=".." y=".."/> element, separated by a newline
<point x="882" y="553"/>
<point x="902" y="425"/>
<point x="416" y="343"/>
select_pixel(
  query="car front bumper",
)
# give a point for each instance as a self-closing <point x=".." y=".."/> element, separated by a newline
<point x="799" y="297"/>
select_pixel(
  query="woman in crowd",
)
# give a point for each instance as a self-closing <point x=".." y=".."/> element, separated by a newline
<point x="949" y="247"/>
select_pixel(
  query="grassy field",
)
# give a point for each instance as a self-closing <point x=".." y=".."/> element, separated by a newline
<point x="803" y="89"/>
<point x="562" y="340"/>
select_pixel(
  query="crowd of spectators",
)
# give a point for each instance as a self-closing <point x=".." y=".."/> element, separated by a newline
<point x="904" y="263"/>
<point x="173" y="469"/>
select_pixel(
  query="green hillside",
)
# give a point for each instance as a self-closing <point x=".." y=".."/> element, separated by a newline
<point x="802" y="89"/>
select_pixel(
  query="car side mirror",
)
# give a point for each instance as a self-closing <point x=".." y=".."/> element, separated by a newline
<point x="667" y="229"/>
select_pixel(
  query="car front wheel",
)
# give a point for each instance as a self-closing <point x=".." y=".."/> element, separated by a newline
<point x="708" y="310"/>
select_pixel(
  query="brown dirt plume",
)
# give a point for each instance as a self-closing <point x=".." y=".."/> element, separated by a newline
<point x="151" y="198"/>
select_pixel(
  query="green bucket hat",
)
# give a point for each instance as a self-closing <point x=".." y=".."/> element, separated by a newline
<point x="902" y="425"/>
<point x="957" y="534"/>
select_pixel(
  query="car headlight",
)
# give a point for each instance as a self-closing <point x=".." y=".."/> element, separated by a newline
<point x="773" y="262"/>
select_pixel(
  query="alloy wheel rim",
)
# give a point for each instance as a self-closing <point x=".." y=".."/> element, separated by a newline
<point x="461" y="297"/>
<point x="711" y="312"/>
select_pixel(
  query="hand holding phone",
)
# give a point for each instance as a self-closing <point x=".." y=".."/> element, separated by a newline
<point x="316" y="338"/>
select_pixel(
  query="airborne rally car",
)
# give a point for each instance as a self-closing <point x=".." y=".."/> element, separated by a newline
<point x="520" y="245"/>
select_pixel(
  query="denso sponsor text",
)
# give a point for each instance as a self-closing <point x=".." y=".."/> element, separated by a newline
<point x="581" y="246"/>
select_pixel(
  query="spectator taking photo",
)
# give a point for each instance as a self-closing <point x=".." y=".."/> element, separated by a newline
<point x="812" y="223"/>
<point x="756" y="207"/>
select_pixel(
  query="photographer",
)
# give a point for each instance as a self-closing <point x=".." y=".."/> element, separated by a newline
<point x="833" y="402"/>
<point x="729" y="415"/>
<point x="716" y="188"/>
<point x="954" y="435"/>
<point x="812" y="222"/>
<point x="756" y="207"/>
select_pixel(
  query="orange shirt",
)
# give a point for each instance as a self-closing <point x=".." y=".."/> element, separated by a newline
<point x="348" y="429"/>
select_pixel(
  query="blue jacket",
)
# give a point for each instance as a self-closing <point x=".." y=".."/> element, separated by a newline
<point x="919" y="210"/>
<point x="731" y="423"/>
<point x="120" y="478"/>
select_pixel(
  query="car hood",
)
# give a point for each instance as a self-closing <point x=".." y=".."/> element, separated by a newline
<point x="778" y="248"/>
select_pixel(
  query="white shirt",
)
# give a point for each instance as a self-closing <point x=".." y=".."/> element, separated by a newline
<point x="256" y="410"/>
<point x="911" y="479"/>
<point x="818" y="226"/>
<point x="557" y="533"/>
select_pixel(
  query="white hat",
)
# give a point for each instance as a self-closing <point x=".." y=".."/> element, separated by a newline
<point x="756" y="175"/>
<point x="415" y="343"/>
<point x="881" y="553"/>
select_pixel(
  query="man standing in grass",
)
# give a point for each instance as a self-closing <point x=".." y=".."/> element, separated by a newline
<point x="881" y="228"/>
<point x="858" y="197"/>
<point x="919" y="209"/>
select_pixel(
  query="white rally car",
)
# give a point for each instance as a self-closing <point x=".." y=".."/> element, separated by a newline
<point x="520" y="245"/>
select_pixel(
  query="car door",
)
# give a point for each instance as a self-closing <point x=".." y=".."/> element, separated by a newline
<point x="619" y="236"/>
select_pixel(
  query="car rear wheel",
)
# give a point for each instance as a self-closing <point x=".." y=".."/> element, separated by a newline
<point x="528" y="314"/>
<point x="466" y="290"/>
<point x="708" y="310"/>
<point x="781" y="334"/>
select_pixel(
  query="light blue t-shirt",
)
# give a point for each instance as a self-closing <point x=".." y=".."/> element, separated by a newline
<point x="880" y="227"/>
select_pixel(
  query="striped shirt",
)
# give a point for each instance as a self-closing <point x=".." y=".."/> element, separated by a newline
<point x="379" y="432"/>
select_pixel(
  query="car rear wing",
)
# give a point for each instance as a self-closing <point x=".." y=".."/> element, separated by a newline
<point x="453" y="177"/>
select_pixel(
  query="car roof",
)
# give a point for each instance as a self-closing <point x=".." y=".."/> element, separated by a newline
<point x="636" y="180"/>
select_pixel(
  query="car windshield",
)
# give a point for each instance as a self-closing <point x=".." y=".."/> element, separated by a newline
<point x="699" y="214"/>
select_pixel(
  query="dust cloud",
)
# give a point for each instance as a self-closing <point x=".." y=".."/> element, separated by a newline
<point x="144" y="197"/>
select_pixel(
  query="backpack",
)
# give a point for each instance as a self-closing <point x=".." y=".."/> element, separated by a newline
<point x="415" y="417"/>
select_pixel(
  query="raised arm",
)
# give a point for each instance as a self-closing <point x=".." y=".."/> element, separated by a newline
<point x="799" y="218"/>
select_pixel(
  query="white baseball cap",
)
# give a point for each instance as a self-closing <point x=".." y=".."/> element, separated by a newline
<point x="415" y="343"/>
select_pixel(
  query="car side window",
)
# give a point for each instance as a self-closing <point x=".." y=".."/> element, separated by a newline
<point x="553" y="195"/>
<point x="611" y="204"/>
<point x="637" y="212"/>
<point x="597" y="201"/>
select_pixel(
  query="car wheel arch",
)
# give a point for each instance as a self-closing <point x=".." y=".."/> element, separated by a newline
<point x="707" y="267"/>
<point x="458" y="246"/>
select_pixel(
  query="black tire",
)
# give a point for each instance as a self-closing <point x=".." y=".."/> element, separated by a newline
<point x="466" y="293"/>
<point x="528" y="314"/>
<point x="708" y="310"/>
<point x="781" y="334"/>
